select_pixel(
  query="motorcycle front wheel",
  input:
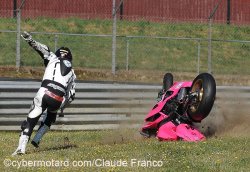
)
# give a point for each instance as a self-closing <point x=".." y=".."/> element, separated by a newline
<point x="205" y="87"/>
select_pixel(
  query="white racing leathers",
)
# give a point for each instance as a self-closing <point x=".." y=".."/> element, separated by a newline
<point x="58" y="85"/>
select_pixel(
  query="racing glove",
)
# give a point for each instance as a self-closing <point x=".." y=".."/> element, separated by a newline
<point x="68" y="99"/>
<point x="160" y="94"/>
<point x="72" y="95"/>
<point x="26" y="36"/>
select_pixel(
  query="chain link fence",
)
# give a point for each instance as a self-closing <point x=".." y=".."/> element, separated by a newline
<point x="131" y="35"/>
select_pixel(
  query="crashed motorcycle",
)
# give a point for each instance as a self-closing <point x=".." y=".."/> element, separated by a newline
<point x="181" y="105"/>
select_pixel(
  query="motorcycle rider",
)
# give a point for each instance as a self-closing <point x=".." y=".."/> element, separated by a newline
<point x="57" y="89"/>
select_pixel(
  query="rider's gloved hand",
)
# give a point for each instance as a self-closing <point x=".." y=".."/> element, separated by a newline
<point x="26" y="36"/>
<point x="72" y="95"/>
<point x="160" y="94"/>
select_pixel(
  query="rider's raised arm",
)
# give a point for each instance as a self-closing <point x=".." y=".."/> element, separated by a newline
<point x="43" y="50"/>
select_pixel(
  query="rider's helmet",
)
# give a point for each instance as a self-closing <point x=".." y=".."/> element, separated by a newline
<point x="64" y="52"/>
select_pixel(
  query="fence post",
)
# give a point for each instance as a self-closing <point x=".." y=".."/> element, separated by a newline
<point x="56" y="41"/>
<point x="127" y="55"/>
<point x="210" y="18"/>
<point x="18" y="58"/>
<point x="114" y="38"/>
<point x="228" y="11"/>
<point x="198" y="58"/>
<point x="14" y="8"/>
<point x="209" y="61"/>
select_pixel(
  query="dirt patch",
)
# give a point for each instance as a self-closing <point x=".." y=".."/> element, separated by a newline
<point x="143" y="76"/>
<point x="228" y="119"/>
<point x="121" y="135"/>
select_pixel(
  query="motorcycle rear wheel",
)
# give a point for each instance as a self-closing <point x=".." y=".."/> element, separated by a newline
<point x="167" y="81"/>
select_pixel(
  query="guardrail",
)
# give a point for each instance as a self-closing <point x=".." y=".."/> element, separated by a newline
<point x="97" y="105"/>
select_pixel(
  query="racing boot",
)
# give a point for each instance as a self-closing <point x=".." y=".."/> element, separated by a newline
<point x="38" y="137"/>
<point x="23" y="140"/>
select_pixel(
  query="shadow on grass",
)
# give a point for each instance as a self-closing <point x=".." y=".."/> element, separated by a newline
<point x="60" y="147"/>
<point x="66" y="145"/>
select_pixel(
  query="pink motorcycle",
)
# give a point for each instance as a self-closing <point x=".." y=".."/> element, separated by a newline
<point x="180" y="105"/>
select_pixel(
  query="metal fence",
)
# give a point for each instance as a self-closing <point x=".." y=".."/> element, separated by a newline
<point x="119" y="36"/>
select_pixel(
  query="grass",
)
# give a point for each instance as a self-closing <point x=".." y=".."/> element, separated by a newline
<point x="148" y="58"/>
<point x="214" y="154"/>
<point x="144" y="53"/>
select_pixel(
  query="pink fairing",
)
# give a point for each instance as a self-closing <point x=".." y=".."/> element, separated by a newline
<point x="170" y="131"/>
<point x="174" y="89"/>
<point x="188" y="133"/>
<point x="167" y="132"/>
<point x="155" y="123"/>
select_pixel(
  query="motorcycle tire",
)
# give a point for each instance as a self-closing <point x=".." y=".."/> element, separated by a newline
<point x="205" y="85"/>
<point x="167" y="81"/>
